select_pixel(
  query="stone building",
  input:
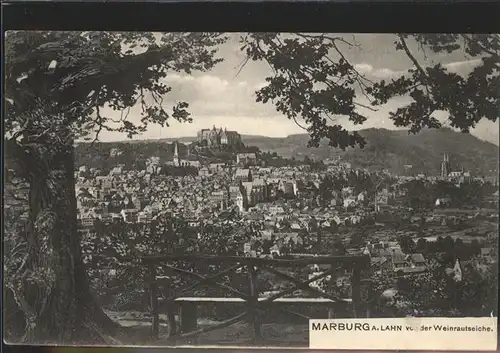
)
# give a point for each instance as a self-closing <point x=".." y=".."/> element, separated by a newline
<point x="218" y="137"/>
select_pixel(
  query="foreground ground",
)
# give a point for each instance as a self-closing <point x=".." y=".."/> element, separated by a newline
<point x="277" y="335"/>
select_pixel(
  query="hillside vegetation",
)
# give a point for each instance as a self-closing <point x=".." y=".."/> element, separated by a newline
<point x="390" y="149"/>
<point x="385" y="149"/>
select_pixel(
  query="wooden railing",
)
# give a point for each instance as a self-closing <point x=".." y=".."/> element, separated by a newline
<point x="175" y="300"/>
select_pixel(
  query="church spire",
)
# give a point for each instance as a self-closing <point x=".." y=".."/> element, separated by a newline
<point x="176" y="153"/>
<point x="445" y="166"/>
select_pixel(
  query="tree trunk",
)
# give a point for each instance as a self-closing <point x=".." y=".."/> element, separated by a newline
<point x="58" y="305"/>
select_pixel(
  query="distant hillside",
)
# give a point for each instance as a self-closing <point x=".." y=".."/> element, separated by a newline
<point x="390" y="149"/>
<point x="186" y="139"/>
<point x="385" y="149"/>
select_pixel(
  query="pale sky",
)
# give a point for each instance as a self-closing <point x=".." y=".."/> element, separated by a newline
<point x="226" y="98"/>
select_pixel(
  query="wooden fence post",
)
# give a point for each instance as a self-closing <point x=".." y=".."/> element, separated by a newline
<point x="331" y="313"/>
<point x="356" y="288"/>
<point x="254" y="298"/>
<point x="169" y="305"/>
<point x="366" y="297"/>
<point x="153" y="292"/>
<point x="331" y="309"/>
<point x="188" y="317"/>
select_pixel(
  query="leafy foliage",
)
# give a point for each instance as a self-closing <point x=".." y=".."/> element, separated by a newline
<point x="73" y="75"/>
<point x="436" y="293"/>
<point x="313" y="80"/>
<point x="407" y="244"/>
<point x="422" y="195"/>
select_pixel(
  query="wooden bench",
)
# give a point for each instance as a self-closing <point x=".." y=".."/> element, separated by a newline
<point x="187" y="310"/>
<point x="179" y="300"/>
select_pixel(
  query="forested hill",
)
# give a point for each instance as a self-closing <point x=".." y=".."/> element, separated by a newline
<point x="389" y="149"/>
<point x="385" y="149"/>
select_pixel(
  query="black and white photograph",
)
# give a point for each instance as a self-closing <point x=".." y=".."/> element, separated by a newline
<point x="224" y="189"/>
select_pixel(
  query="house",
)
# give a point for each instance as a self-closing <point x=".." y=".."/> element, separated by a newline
<point x="347" y="191"/>
<point x="216" y="166"/>
<point x="326" y="224"/>
<point x="267" y="234"/>
<point x="106" y="218"/>
<point x="414" y="270"/>
<point x="288" y="187"/>
<point x="87" y="220"/>
<point x="144" y="217"/>
<point x="218" y="196"/>
<point x="276" y="209"/>
<point x="243" y="175"/>
<point x="342" y="281"/>
<point x="442" y="202"/>
<point x="416" y="260"/>
<point x="393" y="245"/>
<point x="245" y="158"/>
<point x="190" y="163"/>
<point x="336" y="202"/>
<point x="241" y="202"/>
<point x="486" y="251"/>
<point x="104" y="182"/>
<point x="234" y="192"/>
<point x="289" y="237"/>
<point x="398" y="259"/>
<point x="488" y="255"/>
<point x="296" y="226"/>
<point x="129" y="215"/>
<point x="380" y="263"/>
<point x="274" y="250"/>
<point x="382" y="200"/>
<point x="261" y="188"/>
<point x="204" y="172"/>
<point x="193" y="223"/>
<point x="115" y="152"/>
<point x="349" y="202"/>
<point x="116" y="171"/>
<point x="355" y="219"/>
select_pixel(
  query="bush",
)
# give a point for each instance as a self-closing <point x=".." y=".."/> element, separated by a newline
<point x="134" y="299"/>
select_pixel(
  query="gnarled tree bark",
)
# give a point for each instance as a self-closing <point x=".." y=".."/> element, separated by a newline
<point x="53" y="290"/>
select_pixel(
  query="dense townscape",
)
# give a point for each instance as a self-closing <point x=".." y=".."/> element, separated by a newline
<point x="401" y="222"/>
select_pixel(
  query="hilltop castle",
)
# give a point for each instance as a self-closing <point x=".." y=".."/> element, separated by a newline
<point x="217" y="137"/>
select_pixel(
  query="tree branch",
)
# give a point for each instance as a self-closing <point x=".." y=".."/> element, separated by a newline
<point x="411" y="57"/>
<point x="424" y="77"/>
<point x="470" y="41"/>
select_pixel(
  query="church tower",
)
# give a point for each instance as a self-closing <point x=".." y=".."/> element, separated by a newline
<point x="445" y="166"/>
<point x="176" y="154"/>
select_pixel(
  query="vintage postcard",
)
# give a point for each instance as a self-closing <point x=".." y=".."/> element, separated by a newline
<point x="299" y="190"/>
